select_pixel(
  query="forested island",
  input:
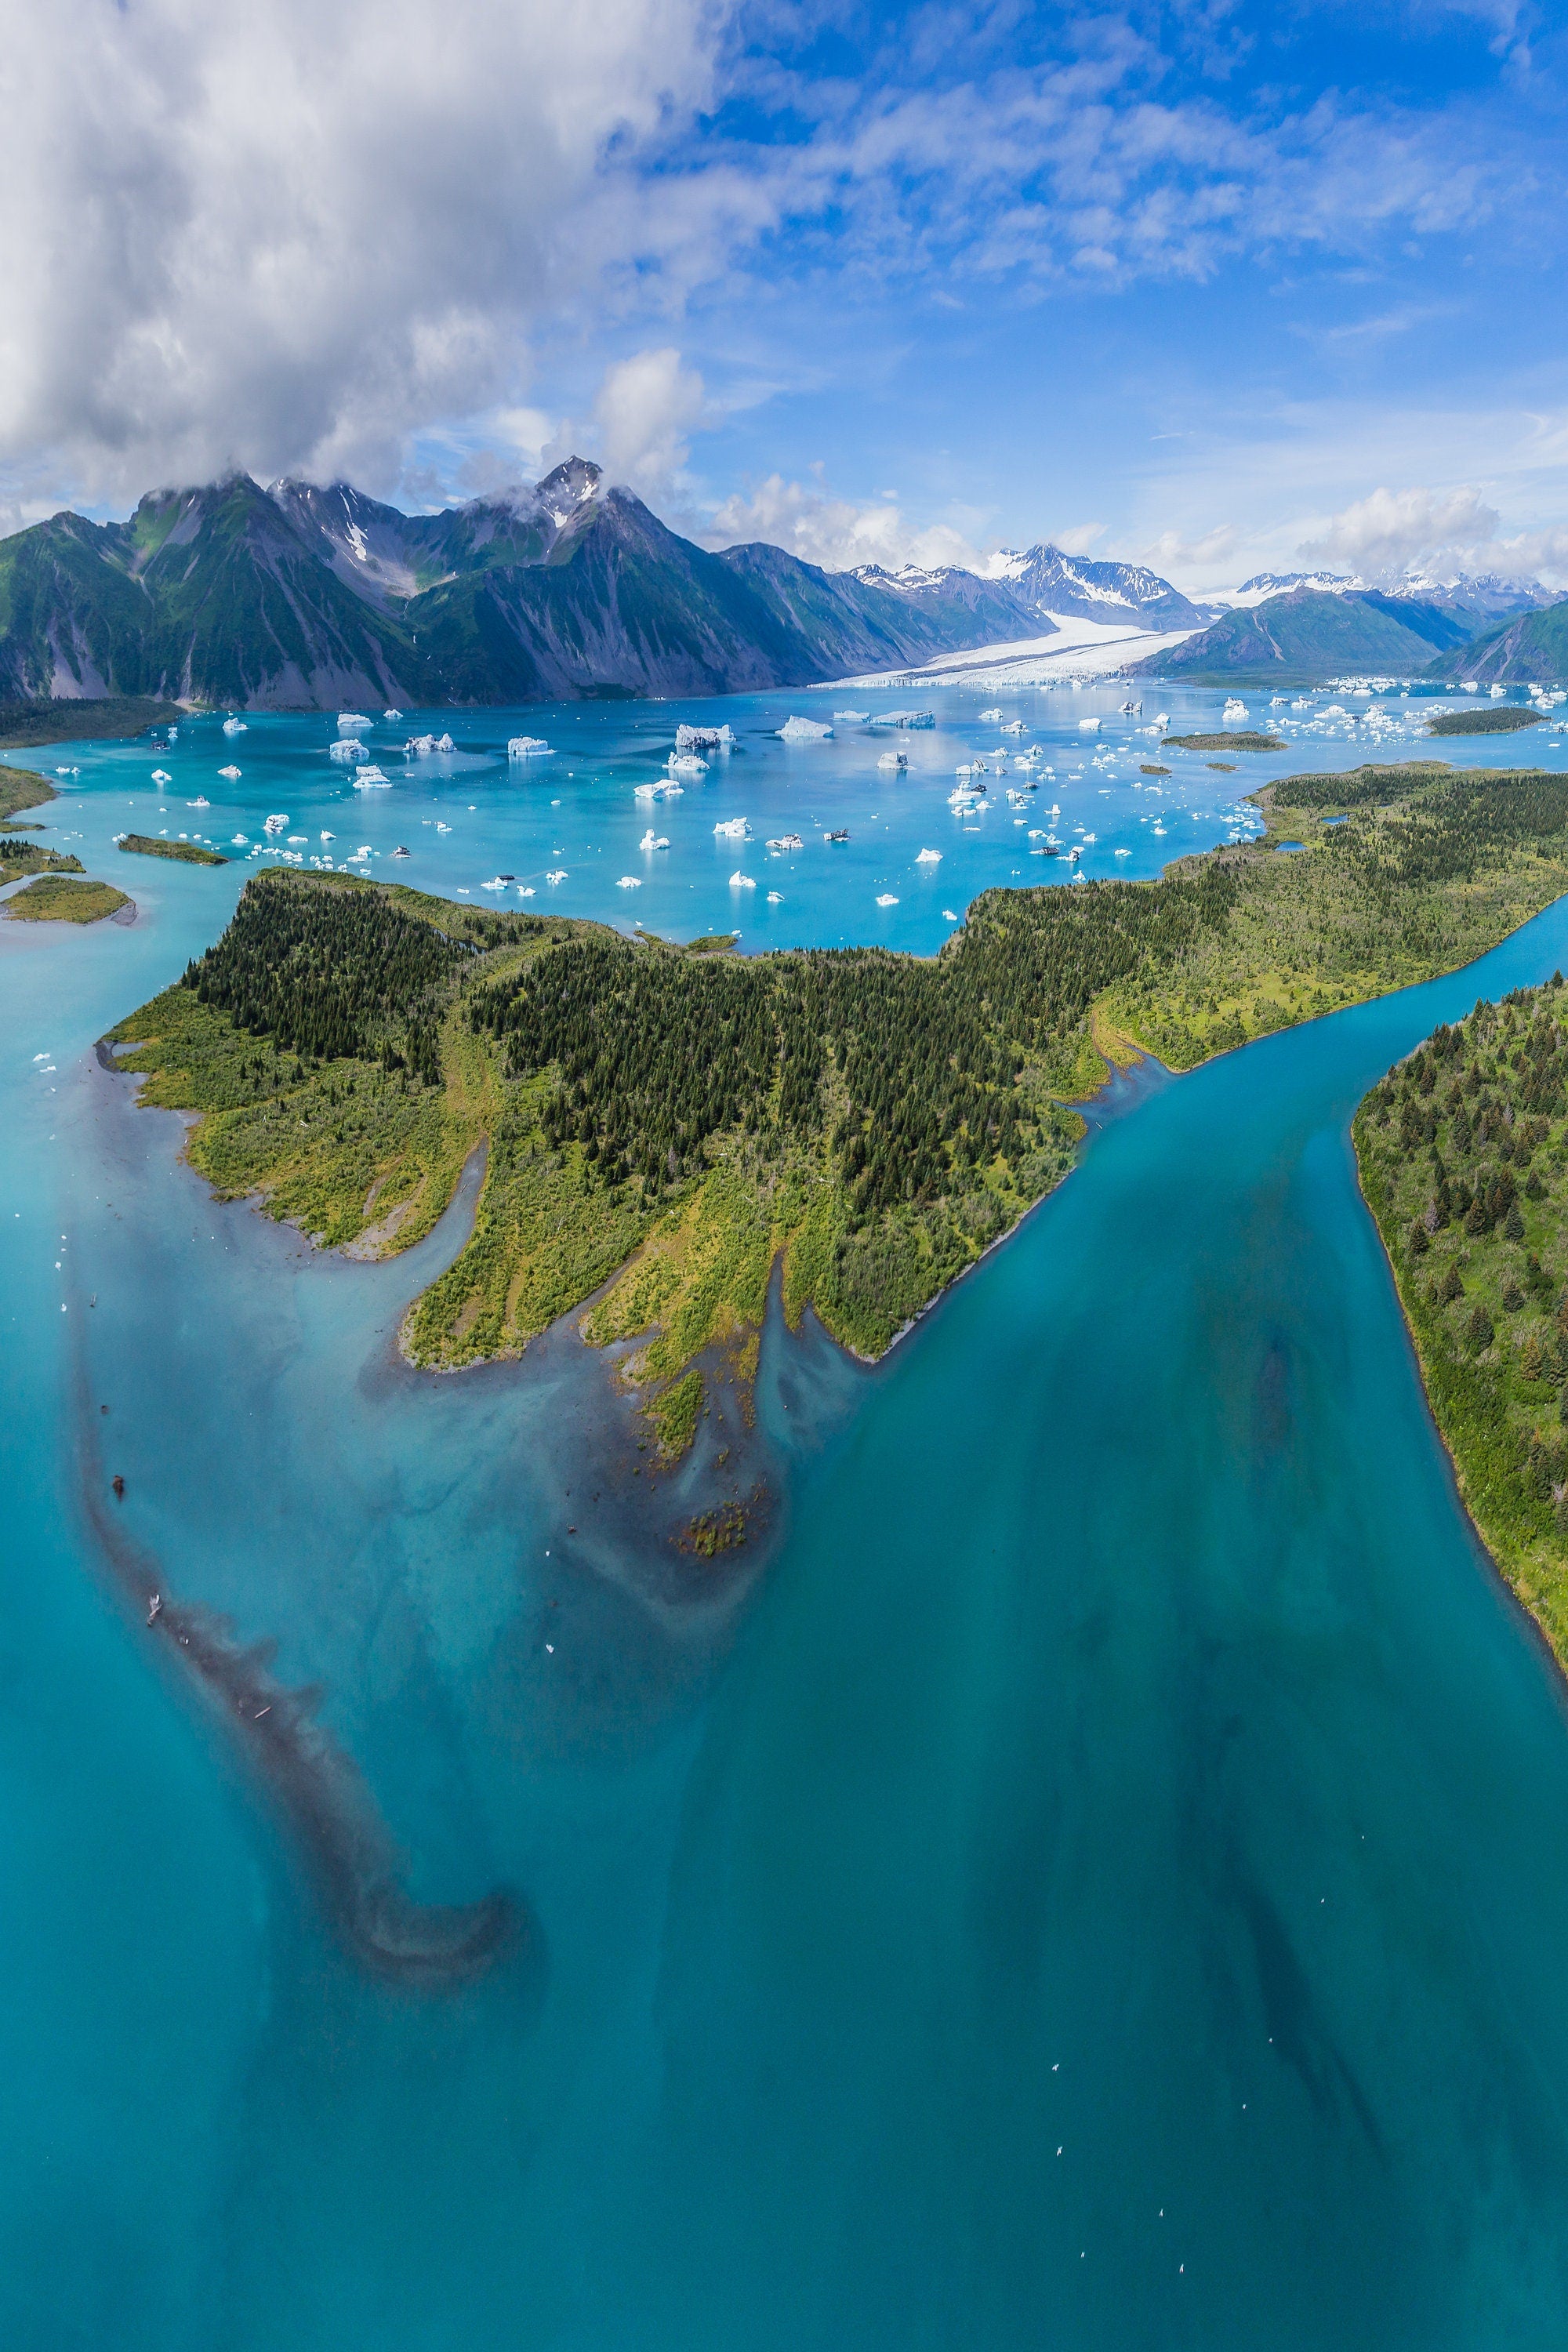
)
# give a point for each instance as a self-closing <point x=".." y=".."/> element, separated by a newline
<point x="665" y="1125"/>
<point x="1463" y="1153"/>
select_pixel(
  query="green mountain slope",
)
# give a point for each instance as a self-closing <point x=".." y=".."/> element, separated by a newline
<point x="1309" y="635"/>
<point x="1529" y="647"/>
<point x="308" y="597"/>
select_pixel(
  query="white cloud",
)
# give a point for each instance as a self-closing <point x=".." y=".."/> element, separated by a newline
<point x="1391" y="527"/>
<point x="289" y="235"/>
<point x="645" y="407"/>
<point x="836" y="532"/>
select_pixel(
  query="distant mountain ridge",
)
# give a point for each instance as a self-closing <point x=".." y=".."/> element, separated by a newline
<point x="1307" y="635"/>
<point x="310" y="596"/>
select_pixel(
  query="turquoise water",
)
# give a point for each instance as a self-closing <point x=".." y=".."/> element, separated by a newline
<point x="1126" y="1753"/>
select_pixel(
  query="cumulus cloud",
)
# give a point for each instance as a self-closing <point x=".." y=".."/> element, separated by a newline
<point x="835" y="532"/>
<point x="288" y="235"/>
<point x="646" y="408"/>
<point x="1394" y="527"/>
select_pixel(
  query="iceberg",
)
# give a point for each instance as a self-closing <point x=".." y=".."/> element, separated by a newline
<point x="987" y="716"/>
<point x="274" y="824"/>
<point x="686" y="763"/>
<point x="887" y="899"/>
<point x="240" y="841"/>
<point x="894" y="760"/>
<point x="328" y="836"/>
<point x="373" y="779"/>
<point x="392" y="714"/>
<point x="1012" y="727"/>
<point x="651" y="840"/>
<point x="1235" y="708"/>
<point x="775" y="897"/>
<point x="787" y="841"/>
<point x="346" y="749"/>
<point x="733" y="828"/>
<point x="559" y="876"/>
<point x="1089" y="726"/>
<point x="803" y="730"/>
<point x="704" y="739"/>
<point x="232" y="775"/>
<point x="630" y="882"/>
<point x="653" y="792"/>
<point x="527" y="747"/>
<point x="904" y="719"/>
<point x="350" y="722"/>
<point x="739" y="881"/>
<point x="233" y="726"/>
<point x="852" y="718"/>
<point x="160" y="776"/>
<point x="929" y="857"/>
<point x="425" y="746"/>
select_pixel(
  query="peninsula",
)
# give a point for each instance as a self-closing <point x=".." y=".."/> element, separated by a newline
<point x="671" y="1123"/>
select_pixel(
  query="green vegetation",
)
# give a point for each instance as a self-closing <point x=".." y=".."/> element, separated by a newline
<point x="664" y="1126"/>
<point x="20" y="789"/>
<point x="189" y="853"/>
<point x="1234" y="740"/>
<point x="1151" y="768"/>
<point x="19" y="856"/>
<point x="78" y="721"/>
<point x="1305" y="635"/>
<point x="1493" y="719"/>
<point x="56" y="899"/>
<point x="1463" y="1153"/>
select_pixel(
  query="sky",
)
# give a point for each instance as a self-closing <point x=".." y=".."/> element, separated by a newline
<point x="1215" y="287"/>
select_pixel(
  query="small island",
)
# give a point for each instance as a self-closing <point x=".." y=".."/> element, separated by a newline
<point x="1232" y="740"/>
<point x="1490" y="718"/>
<point x="666" y="1125"/>
<point x="61" y="899"/>
<point x="188" y="853"/>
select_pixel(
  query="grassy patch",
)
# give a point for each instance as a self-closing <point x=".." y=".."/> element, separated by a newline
<point x="188" y="853"/>
<point x="20" y="789"/>
<point x="675" y="1413"/>
<point x="1233" y="739"/>
<point x="59" y="898"/>
<point x="18" y="857"/>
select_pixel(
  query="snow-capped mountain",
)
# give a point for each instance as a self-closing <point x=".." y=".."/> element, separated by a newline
<point x="1264" y="585"/>
<point x="1476" y="598"/>
<point x="1052" y="581"/>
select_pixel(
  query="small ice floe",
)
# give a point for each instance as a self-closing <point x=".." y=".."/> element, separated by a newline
<point x="653" y="792"/>
<point x="929" y="857"/>
<point x="373" y="779"/>
<point x="233" y="726"/>
<point x="274" y="826"/>
<point x="296" y="840"/>
<point x="739" y="881"/>
<point x="775" y="897"/>
<point x="704" y="739"/>
<point x="1089" y="726"/>
<point x="425" y="747"/>
<point x="160" y="776"/>
<point x="1012" y="727"/>
<point x="652" y="840"/>
<point x="392" y="714"/>
<point x="351" y="722"/>
<point x="686" y="763"/>
<point x="630" y="882"/>
<point x="887" y="899"/>
<point x="524" y="889"/>
<point x="803" y="730"/>
<point x="328" y="836"/>
<point x="852" y="718"/>
<point x="988" y="717"/>
<point x="948" y="916"/>
<point x="229" y="775"/>
<point x="1235" y="708"/>
<point x="557" y="876"/>
<point x="497" y="882"/>
<point x="198" y="803"/>
<point x="787" y="841"/>
<point x="441" y="827"/>
<point x="1123" y="853"/>
<point x="894" y="760"/>
<point x="240" y="841"/>
<point x="527" y="747"/>
<point x="732" y="828"/>
<point x="904" y="719"/>
<point x="346" y="749"/>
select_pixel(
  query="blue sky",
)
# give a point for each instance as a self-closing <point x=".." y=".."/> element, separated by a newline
<point x="1216" y="287"/>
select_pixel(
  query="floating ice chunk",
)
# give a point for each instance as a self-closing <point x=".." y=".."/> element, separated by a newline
<point x="296" y="840"/>
<point x="803" y="730"/>
<point x="630" y="882"/>
<point x="1089" y="726"/>
<point x="948" y="916"/>
<point x="230" y="775"/>
<point x="525" y="890"/>
<point x="198" y="803"/>
<point x="739" y="881"/>
<point x="240" y="841"/>
<point x="373" y="779"/>
<point x="887" y="899"/>
<point x="904" y="719"/>
<point x="852" y="718"/>
<point x="987" y="717"/>
<point x="425" y="747"/>
<point x="160" y="776"/>
<point x="496" y="882"/>
<point x="559" y="876"/>
<point x="651" y="840"/>
<point x="274" y="826"/>
<point x="346" y="749"/>
<point x="328" y="836"/>
<point x="233" y="726"/>
<point x="1012" y="727"/>
<point x="1123" y="853"/>
<point x="929" y="857"/>
<point x="894" y="760"/>
<point x="351" y="722"/>
<point x="686" y="763"/>
<point x="704" y="739"/>
<point x="527" y="747"/>
<point x="775" y="897"/>
<point x="787" y="841"/>
<point x="392" y="714"/>
<point x="732" y="828"/>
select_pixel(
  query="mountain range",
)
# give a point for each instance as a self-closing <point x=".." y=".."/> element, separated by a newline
<point x="305" y="596"/>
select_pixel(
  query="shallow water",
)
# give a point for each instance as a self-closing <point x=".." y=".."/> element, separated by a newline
<point x="1126" y="1753"/>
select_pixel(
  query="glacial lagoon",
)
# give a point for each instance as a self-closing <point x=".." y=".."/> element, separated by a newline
<point x="1100" y="1878"/>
